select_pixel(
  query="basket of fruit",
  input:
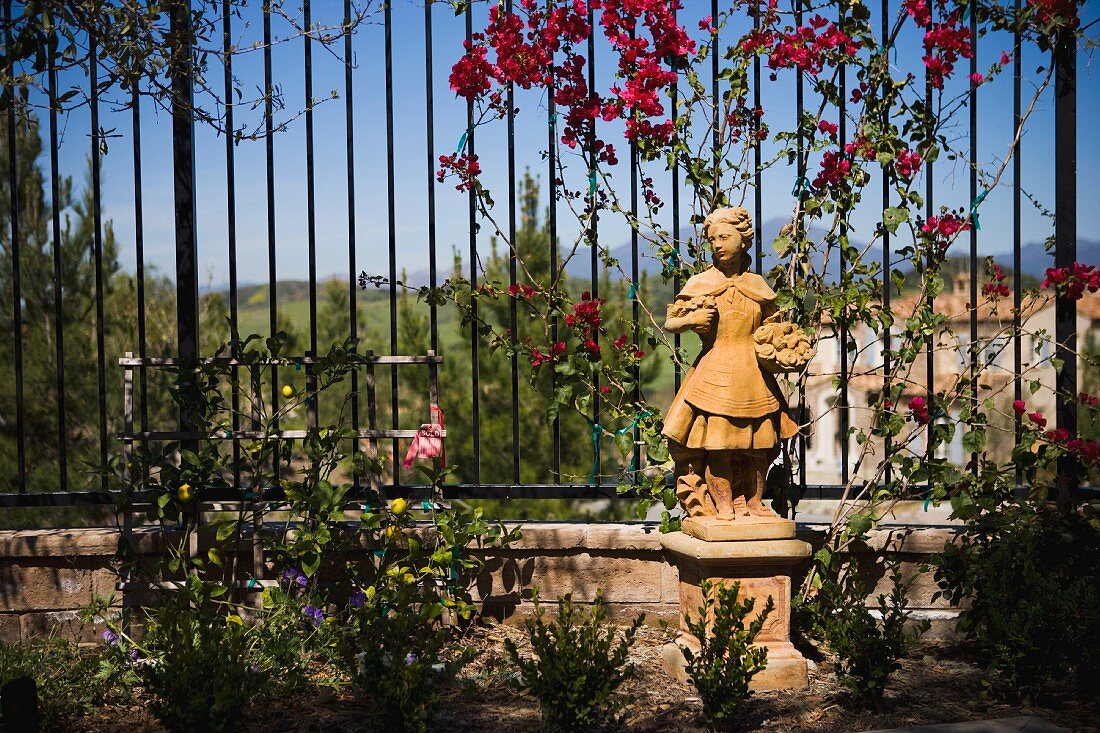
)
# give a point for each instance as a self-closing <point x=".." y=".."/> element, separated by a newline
<point x="781" y="346"/>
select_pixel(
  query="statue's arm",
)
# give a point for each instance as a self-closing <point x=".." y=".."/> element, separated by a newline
<point x="678" y="320"/>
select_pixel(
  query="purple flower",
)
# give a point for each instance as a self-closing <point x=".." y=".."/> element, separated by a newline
<point x="110" y="638"/>
<point x="357" y="598"/>
<point x="410" y="658"/>
<point x="134" y="655"/>
<point x="314" y="614"/>
<point x="292" y="576"/>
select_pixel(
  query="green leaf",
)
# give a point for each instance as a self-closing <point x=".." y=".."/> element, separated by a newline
<point x="860" y="524"/>
<point x="974" y="440"/>
<point x="625" y="443"/>
<point x="225" y="529"/>
<point x="311" y="563"/>
<point x="893" y="217"/>
<point x="935" y="285"/>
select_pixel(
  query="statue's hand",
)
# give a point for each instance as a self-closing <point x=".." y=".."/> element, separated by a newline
<point x="704" y="320"/>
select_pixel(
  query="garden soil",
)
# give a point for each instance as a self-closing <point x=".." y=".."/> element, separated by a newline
<point x="941" y="683"/>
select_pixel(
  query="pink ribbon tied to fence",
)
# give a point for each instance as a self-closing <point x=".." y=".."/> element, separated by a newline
<point x="428" y="442"/>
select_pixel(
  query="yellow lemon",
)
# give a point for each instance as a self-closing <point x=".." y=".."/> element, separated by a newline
<point x="288" y="391"/>
<point x="392" y="531"/>
<point x="184" y="493"/>
<point x="398" y="506"/>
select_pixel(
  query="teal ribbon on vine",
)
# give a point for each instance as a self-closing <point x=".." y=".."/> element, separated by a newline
<point x="633" y="424"/>
<point x="974" y="208"/>
<point x="928" y="499"/>
<point x="462" y="140"/>
<point x="592" y="185"/>
<point x="252" y="583"/>
<point x="455" y="554"/>
<point x="633" y="291"/>
<point x="552" y="120"/>
<point x="800" y="185"/>
<point x="597" y="431"/>
<point x="966" y="10"/>
<point x="672" y="260"/>
<point x="426" y="506"/>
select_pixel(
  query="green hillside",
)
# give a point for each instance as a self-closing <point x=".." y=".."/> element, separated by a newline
<point x="374" y="320"/>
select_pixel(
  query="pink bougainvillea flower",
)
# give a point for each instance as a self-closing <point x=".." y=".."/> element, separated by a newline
<point x="1019" y="407"/>
<point x="1061" y="435"/>
<point x="1037" y="418"/>
<point x="996" y="287"/>
<point x="1072" y="281"/>
<point x="428" y="443"/>
<point x="918" y="407"/>
<point x="907" y="163"/>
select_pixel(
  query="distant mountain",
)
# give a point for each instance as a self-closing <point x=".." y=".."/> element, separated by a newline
<point x="579" y="267"/>
<point x="1034" y="260"/>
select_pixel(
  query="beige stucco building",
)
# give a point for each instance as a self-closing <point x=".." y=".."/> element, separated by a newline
<point x="994" y="349"/>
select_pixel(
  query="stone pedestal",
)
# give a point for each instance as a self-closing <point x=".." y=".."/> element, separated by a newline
<point x="764" y="568"/>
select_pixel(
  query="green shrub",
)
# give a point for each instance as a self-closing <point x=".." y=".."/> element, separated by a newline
<point x="726" y="661"/>
<point x="289" y="635"/>
<point x="195" y="662"/>
<point x="578" y="663"/>
<point x="64" y="677"/>
<point x="1032" y="574"/>
<point x="395" y="635"/>
<point x="397" y="653"/>
<point x="869" y="650"/>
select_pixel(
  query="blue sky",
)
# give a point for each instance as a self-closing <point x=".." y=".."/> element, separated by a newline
<point x="413" y="169"/>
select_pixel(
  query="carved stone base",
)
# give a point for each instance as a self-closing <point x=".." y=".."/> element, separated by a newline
<point x="713" y="529"/>
<point x="786" y="668"/>
<point x="764" y="568"/>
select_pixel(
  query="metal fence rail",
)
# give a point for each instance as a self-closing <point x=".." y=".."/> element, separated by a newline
<point x="358" y="60"/>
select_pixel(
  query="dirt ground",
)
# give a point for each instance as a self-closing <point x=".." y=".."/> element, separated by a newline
<point x="940" y="684"/>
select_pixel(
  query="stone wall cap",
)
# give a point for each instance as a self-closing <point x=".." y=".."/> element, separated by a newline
<point x="59" y="542"/>
<point x="743" y="551"/>
<point x="545" y="536"/>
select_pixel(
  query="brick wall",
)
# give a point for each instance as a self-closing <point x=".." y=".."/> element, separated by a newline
<point x="47" y="576"/>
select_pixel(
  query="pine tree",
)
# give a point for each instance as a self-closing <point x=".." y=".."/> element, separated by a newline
<point x="39" y="327"/>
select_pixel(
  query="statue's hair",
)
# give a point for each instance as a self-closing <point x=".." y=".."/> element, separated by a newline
<point x="737" y="215"/>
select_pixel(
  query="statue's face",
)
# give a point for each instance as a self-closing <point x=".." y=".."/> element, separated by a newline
<point x="726" y="242"/>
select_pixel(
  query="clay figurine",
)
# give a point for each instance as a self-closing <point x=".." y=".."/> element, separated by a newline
<point x="729" y="417"/>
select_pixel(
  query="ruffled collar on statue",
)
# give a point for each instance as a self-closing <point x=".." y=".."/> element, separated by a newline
<point x="714" y="282"/>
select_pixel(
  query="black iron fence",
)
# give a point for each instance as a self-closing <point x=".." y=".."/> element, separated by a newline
<point x="86" y="408"/>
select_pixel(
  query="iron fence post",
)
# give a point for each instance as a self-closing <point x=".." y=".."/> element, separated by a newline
<point x="183" y="167"/>
<point x="1065" y="248"/>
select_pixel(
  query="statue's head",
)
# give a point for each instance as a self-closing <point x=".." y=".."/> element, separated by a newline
<point x="729" y="232"/>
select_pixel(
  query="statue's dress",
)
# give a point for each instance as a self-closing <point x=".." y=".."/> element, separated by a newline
<point x="726" y="402"/>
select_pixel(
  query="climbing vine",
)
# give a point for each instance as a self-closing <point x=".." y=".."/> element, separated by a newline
<point x="871" y="119"/>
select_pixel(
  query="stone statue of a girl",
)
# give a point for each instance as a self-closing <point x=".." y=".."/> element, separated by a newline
<point x="726" y="422"/>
